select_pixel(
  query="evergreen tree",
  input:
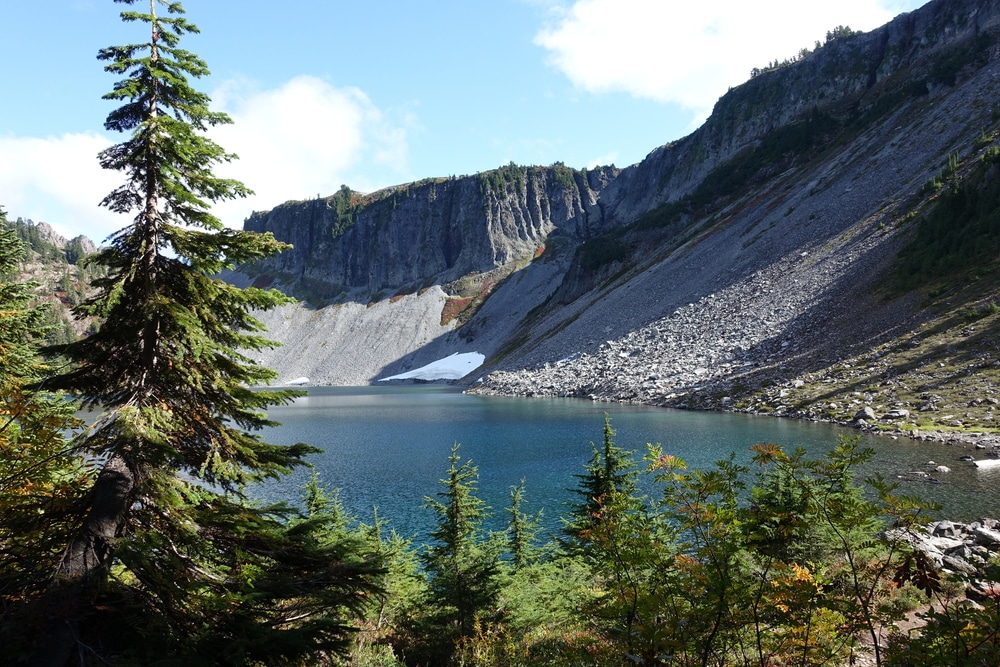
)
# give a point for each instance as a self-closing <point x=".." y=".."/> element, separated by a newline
<point x="609" y="481"/>
<point x="613" y="534"/>
<point x="521" y="530"/>
<point x="166" y="547"/>
<point x="20" y="325"/>
<point x="779" y="523"/>
<point x="404" y="590"/>
<point x="462" y="565"/>
<point x="41" y="482"/>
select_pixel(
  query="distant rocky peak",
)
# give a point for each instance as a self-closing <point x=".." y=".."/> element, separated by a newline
<point x="47" y="233"/>
<point x="42" y="238"/>
<point x="86" y="246"/>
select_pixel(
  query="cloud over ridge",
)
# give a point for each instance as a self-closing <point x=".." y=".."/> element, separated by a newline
<point x="688" y="53"/>
<point x="294" y="141"/>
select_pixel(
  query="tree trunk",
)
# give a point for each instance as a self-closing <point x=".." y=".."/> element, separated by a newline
<point x="92" y="546"/>
<point x="85" y="559"/>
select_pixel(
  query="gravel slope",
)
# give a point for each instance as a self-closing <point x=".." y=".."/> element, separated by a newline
<point x="784" y="285"/>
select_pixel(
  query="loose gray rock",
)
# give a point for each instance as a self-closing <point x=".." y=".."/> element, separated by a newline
<point x="959" y="565"/>
<point x="946" y="529"/>
<point x="987" y="536"/>
<point x="865" y="413"/>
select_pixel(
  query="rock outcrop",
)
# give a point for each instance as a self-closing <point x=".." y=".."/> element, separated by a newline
<point x="432" y="232"/>
<point x="962" y="549"/>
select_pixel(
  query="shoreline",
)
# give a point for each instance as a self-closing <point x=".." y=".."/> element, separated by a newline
<point x="985" y="441"/>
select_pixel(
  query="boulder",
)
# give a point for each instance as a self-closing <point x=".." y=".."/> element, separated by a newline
<point x="960" y="565"/>
<point x="987" y="537"/>
<point x="865" y="413"/>
<point x="946" y="529"/>
<point x="945" y="544"/>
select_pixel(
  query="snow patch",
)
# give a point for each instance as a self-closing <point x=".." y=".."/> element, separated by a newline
<point x="454" y="367"/>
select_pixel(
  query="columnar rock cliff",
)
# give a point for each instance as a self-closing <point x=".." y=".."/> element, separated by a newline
<point x="436" y="230"/>
<point x="750" y="251"/>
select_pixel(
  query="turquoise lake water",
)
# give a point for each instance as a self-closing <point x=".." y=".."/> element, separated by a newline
<point x="388" y="447"/>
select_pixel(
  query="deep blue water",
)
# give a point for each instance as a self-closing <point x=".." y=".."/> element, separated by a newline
<point x="388" y="447"/>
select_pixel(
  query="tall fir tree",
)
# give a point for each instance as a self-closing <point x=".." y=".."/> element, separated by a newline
<point x="462" y="564"/>
<point x="608" y="483"/>
<point x="167" y="547"/>
<point x="521" y="530"/>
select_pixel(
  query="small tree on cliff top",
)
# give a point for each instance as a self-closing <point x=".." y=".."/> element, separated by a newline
<point x="177" y="436"/>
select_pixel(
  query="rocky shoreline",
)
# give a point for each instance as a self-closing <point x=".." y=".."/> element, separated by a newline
<point x="804" y="337"/>
<point x="518" y="384"/>
<point x="962" y="549"/>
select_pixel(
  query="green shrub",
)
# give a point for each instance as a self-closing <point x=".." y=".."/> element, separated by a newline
<point x="602" y="250"/>
<point x="961" y="231"/>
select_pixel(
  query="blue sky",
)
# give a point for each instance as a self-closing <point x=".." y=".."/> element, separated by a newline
<point x="375" y="93"/>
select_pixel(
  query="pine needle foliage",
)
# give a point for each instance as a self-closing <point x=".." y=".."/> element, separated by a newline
<point x="168" y="558"/>
<point x="20" y="325"/>
<point x="522" y="530"/>
<point x="609" y="479"/>
<point x="170" y="357"/>
<point x="462" y="565"/>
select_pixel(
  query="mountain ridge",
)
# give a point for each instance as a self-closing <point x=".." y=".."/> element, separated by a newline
<point x="813" y="172"/>
<point x="63" y="278"/>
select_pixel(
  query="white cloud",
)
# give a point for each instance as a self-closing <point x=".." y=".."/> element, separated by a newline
<point x="603" y="160"/>
<point x="58" y="180"/>
<point x="689" y="53"/>
<point x="296" y="141"/>
<point x="302" y="139"/>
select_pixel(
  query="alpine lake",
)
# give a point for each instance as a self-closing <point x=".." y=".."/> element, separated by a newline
<point x="387" y="448"/>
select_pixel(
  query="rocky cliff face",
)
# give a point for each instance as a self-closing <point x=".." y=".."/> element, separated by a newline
<point x="746" y="252"/>
<point x="433" y="231"/>
<point x="921" y="48"/>
<point x="63" y="278"/>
